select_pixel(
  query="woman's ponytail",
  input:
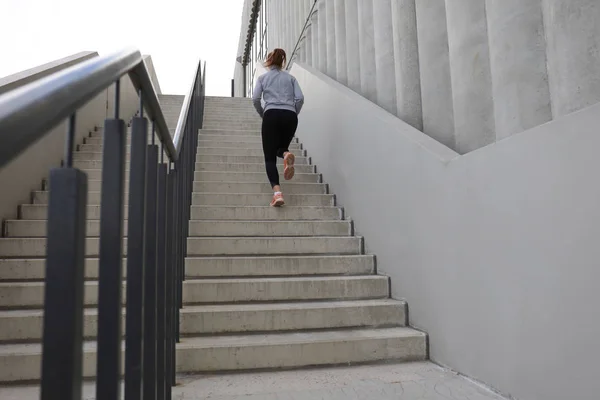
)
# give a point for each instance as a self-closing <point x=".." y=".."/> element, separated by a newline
<point x="276" y="58"/>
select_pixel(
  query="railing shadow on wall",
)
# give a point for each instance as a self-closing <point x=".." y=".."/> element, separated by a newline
<point x="160" y="193"/>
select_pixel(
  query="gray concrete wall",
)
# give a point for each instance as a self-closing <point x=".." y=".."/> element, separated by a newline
<point x="472" y="97"/>
<point x="434" y="69"/>
<point x="518" y="65"/>
<point x="383" y="35"/>
<point x="495" y="251"/>
<point x="573" y="40"/>
<point x="366" y="48"/>
<point x="468" y="73"/>
<point x="406" y="62"/>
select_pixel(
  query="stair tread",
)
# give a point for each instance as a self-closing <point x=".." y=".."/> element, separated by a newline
<point x="313" y="305"/>
<point x="191" y="281"/>
<point x="290" y="338"/>
<point x="249" y="339"/>
<point x="191" y="309"/>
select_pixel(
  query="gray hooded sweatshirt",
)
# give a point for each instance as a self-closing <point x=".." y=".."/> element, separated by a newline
<point x="279" y="90"/>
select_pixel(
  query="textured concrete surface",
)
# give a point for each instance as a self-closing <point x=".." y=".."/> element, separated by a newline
<point x="406" y="62"/>
<point x="331" y="41"/>
<point x="573" y="52"/>
<point x="366" y="46"/>
<point x="490" y="249"/>
<point x="416" y="381"/>
<point x="341" y="53"/>
<point x="352" y="50"/>
<point x="472" y="96"/>
<point x="518" y="65"/>
<point x="322" y="43"/>
<point x="384" y="55"/>
<point x="434" y="70"/>
<point x="422" y="381"/>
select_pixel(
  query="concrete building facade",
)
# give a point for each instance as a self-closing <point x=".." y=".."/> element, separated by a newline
<point x="467" y="73"/>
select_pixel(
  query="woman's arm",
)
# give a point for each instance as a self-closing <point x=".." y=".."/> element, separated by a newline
<point x="298" y="96"/>
<point x="257" y="96"/>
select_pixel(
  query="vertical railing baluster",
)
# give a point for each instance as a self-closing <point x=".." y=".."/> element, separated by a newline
<point x="161" y="282"/>
<point x="180" y="239"/>
<point x="110" y="305"/>
<point x="135" y="259"/>
<point x="170" y="283"/>
<point x="62" y="357"/>
<point x="150" y="271"/>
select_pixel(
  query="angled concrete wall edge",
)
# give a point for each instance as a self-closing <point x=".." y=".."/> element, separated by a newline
<point x="29" y="75"/>
<point x="494" y="251"/>
<point x="152" y="71"/>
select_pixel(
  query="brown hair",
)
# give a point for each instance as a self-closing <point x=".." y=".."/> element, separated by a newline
<point x="276" y="58"/>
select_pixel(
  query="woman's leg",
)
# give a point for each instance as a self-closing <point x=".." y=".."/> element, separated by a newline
<point x="289" y="124"/>
<point x="270" y="143"/>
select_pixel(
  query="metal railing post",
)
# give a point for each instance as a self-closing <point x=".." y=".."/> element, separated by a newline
<point x="136" y="260"/>
<point x="150" y="265"/>
<point x="170" y="284"/>
<point x="161" y="280"/>
<point x="65" y="262"/>
<point x="110" y="304"/>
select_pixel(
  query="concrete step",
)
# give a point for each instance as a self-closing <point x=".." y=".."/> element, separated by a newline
<point x="20" y="326"/>
<point x="205" y="212"/>
<point x="227" y="176"/>
<point x="299" y="349"/>
<point x="96" y="165"/>
<point x="237" y="246"/>
<point x="270" y="228"/>
<point x="235" y="318"/>
<point x="36" y="247"/>
<point x="201" y="144"/>
<point x="17" y="269"/>
<point x="229" y="132"/>
<point x="88" y="156"/>
<point x="240" y="199"/>
<point x="241" y="144"/>
<point x="233" y="138"/>
<point x="234" y="126"/>
<point x="261" y="199"/>
<point x="282" y="266"/>
<point x="224" y="175"/>
<point x="256" y="168"/>
<point x="31" y="228"/>
<point x="259" y="187"/>
<point x="266" y="213"/>
<point x="242" y="118"/>
<point x="201" y="291"/>
<point x="97" y="138"/>
<point x="21" y="362"/>
<point x="30" y="295"/>
<point x="92" y="164"/>
<point x="237" y="152"/>
<point x="243" y="159"/>
<point x="34" y="269"/>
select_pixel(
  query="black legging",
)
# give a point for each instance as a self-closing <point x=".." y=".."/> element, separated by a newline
<point x="278" y="130"/>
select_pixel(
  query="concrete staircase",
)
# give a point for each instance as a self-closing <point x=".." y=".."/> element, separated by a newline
<point x="265" y="288"/>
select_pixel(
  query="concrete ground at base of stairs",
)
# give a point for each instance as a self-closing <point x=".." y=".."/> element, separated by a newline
<point x="412" y="381"/>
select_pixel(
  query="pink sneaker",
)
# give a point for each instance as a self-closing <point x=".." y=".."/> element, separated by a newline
<point x="288" y="166"/>
<point x="277" y="200"/>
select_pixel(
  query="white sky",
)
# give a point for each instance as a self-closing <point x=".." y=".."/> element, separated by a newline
<point x="174" y="32"/>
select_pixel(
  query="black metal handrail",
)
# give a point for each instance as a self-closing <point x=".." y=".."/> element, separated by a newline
<point x="53" y="99"/>
<point x="301" y="37"/>
<point x="160" y="197"/>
